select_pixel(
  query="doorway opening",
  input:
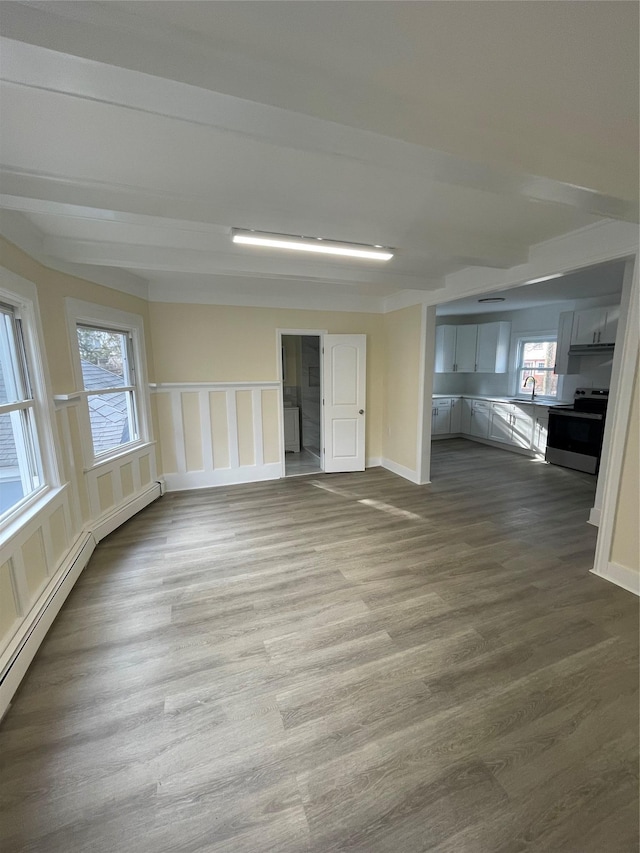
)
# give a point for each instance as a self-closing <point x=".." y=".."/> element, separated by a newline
<point x="302" y="404"/>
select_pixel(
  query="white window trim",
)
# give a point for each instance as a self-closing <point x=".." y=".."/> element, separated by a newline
<point x="517" y="343"/>
<point x="90" y="313"/>
<point x="23" y="296"/>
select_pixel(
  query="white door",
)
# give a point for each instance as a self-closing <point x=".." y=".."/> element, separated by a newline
<point x="344" y="384"/>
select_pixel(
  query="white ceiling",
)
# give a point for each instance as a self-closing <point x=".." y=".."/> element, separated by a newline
<point x="136" y="135"/>
<point x="601" y="280"/>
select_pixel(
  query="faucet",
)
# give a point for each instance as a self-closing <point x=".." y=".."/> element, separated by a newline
<point x="533" y="390"/>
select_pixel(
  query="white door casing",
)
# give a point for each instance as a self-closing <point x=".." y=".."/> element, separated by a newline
<point x="344" y="412"/>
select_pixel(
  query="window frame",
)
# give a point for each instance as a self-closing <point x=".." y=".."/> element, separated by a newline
<point x="21" y="297"/>
<point x="520" y="343"/>
<point x="80" y="313"/>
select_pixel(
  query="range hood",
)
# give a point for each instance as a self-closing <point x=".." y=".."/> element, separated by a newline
<point x="590" y="349"/>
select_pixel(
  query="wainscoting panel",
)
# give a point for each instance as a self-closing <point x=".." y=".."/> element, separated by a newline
<point x="29" y="562"/>
<point x="42" y="557"/>
<point x="214" y="434"/>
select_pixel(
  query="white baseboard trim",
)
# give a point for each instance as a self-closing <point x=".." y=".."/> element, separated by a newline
<point x="594" y="516"/>
<point x="401" y="471"/>
<point x="373" y="462"/>
<point x="621" y="576"/>
<point x="34" y="628"/>
<point x="223" y="477"/>
<point x="108" y="522"/>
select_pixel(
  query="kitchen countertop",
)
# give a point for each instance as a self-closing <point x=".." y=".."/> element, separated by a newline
<point x="495" y="399"/>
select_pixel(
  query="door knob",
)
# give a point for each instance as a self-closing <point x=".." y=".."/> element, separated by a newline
<point x="361" y="412"/>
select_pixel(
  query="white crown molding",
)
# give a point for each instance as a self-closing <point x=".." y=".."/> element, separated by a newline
<point x="261" y="293"/>
<point x="17" y="229"/>
<point x="597" y="243"/>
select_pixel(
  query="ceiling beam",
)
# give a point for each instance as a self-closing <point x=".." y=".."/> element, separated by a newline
<point x="40" y="68"/>
<point x="193" y="221"/>
<point x="163" y="258"/>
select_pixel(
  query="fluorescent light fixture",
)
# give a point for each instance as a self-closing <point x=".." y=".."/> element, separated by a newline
<point x="310" y="244"/>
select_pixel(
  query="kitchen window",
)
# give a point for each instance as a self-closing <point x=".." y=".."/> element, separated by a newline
<point x="21" y="469"/>
<point x="537" y="359"/>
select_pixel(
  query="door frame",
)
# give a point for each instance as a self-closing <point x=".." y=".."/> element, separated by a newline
<point x="315" y="333"/>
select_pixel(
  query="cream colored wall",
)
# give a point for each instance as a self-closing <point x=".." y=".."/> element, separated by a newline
<point x="36" y="555"/>
<point x="221" y="343"/>
<point x="402" y="335"/>
<point x="625" y="549"/>
<point x="53" y="287"/>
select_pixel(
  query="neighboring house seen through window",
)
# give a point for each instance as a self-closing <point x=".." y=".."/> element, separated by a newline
<point x="106" y="359"/>
<point x="21" y="473"/>
<point x="537" y="359"/>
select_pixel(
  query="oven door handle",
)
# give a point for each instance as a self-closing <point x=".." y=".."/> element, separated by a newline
<point x="592" y="416"/>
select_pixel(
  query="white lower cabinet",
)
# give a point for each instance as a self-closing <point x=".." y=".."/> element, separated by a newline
<point x="500" y="423"/>
<point x="511" y="423"/>
<point x="446" y="415"/>
<point x="479" y="418"/>
<point x="515" y="425"/>
<point x="456" y="415"/>
<point x="441" y="417"/>
<point x="540" y="430"/>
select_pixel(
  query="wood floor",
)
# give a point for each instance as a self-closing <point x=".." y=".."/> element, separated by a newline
<point x="337" y="663"/>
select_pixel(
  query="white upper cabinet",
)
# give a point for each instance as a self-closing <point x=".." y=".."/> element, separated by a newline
<point x="445" y="349"/>
<point x="481" y="348"/>
<point x="564" y="364"/>
<point x="609" y="330"/>
<point x="492" y="351"/>
<point x="466" y="342"/>
<point x="595" y="326"/>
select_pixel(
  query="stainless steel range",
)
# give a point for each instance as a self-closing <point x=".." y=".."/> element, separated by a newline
<point x="575" y="432"/>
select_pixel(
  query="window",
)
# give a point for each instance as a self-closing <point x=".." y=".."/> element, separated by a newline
<point x="108" y="374"/>
<point x="537" y="359"/>
<point x="21" y="473"/>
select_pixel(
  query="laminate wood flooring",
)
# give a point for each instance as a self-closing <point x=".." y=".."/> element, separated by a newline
<point x="346" y="662"/>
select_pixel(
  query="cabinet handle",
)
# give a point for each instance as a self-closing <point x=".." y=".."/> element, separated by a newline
<point x="594" y="338"/>
<point x="599" y="334"/>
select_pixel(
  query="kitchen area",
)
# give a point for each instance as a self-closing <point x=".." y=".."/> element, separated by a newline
<point x="528" y="370"/>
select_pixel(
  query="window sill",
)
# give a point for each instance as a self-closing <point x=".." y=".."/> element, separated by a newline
<point x="120" y="454"/>
<point x="32" y="508"/>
